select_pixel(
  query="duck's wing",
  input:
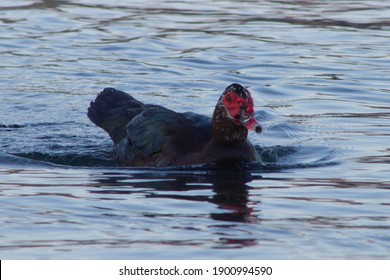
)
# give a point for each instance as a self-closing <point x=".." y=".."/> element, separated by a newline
<point x="148" y="135"/>
<point x="158" y="136"/>
<point x="203" y="127"/>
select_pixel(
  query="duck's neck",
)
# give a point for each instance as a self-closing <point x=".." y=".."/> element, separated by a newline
<point x="225" y="131"/>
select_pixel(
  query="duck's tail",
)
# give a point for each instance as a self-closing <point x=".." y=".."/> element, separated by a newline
<point x="112" y="110"/>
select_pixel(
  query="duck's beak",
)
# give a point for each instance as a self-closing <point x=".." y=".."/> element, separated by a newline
<point x="250" y="123"/>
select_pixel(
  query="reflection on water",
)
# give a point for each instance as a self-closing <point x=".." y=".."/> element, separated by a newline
<point x="318" y="73"/>
<point x="229" y="188"/>
<point x="141" y="213"/>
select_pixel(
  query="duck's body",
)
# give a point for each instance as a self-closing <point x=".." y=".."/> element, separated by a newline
<point x="151" y="135"/>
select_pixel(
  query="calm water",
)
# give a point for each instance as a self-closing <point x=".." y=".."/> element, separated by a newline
<point x="319" y="73"/>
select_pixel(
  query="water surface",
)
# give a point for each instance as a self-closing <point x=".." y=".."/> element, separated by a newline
<point x="318" y="72"/>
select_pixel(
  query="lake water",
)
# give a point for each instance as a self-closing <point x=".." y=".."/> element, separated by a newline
<point x="319" y="74"/>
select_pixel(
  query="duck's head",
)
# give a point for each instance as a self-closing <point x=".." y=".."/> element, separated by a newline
<point x="238" y="104"/>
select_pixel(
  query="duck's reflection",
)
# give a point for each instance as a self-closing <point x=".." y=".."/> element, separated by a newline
<point x="231" y="194"/>
<point x="229" y="188"/>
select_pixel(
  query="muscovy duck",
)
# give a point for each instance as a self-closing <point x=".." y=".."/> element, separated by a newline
<point x="151" y="135"/>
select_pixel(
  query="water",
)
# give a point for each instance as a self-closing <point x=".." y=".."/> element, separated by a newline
<point x="318" y="72"/>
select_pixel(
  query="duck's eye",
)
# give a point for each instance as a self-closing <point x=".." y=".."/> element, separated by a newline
<point x="228" y="98"/>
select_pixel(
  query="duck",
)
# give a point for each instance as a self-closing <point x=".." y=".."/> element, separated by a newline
<point x="148" y="135"/>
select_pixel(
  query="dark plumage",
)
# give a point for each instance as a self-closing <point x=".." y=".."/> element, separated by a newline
<point x="151" y="135"/>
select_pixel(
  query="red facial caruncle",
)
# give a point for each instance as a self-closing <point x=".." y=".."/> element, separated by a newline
<point x="241" y="110"/>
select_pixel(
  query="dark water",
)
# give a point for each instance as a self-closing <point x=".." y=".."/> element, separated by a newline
<point x="319" y="75"/>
